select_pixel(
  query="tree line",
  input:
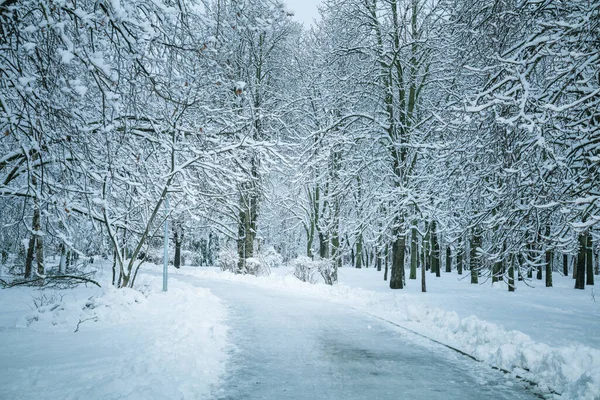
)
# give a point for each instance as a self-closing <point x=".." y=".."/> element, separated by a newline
<point x="405" y="135"/>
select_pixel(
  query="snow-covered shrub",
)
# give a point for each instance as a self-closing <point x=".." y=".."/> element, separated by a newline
<point x="256" y="267"/>
<point x="228" y="260"/>
<point x="313" y="271"/>
<point x="327" y="271"/>
<point x="271" y="258"/>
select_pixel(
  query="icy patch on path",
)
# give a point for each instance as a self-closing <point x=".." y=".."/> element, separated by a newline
<point x="129" y="345"/>
<point x="573" y="371"/>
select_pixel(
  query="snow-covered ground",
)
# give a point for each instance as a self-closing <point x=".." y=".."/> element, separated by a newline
<point x="153" y="345"/>
<point x="129" y="344"/>
<point x="548" y="335"/>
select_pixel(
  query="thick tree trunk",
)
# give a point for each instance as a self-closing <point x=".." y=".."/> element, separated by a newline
<point x="387" y="259"/>
<point x="177" y="256"/>
<point x="423" y="280"/>
<point x="565" y="265"/>
<point x="359" y="250"/>
<point x="549" y="257"/>
<point x="580" y="278"/>
<point x="474" y="259"/>
<point x="114" y="268"/>
<point x="496" y="271"/>
<point x="459" y="256"/>
<point x="62" y="264"/>
<point x="414" y="252"/>
<point x="589" y="260"/>
<point x="435" y="250"/>
<point x="448" y="259"/>
<point x="397" y="273"/>
<point x="29" y="257"/>
<point x="335" y="253"/>
<point x="511" y="274"/>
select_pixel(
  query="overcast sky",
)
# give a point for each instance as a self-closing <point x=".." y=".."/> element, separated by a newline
<point x="304" y="10"/>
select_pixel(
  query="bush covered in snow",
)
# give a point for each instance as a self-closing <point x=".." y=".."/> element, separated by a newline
<point x="271" y="258"/>
<point x="228" y="260"/>
<point x="313" y="271"/>
<point x="255" y="266"/>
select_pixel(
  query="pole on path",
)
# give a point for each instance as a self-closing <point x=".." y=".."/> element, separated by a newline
<point x="166" y="245"/>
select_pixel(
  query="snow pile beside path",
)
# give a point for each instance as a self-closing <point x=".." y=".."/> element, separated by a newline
<point x="573" y="371"/>
<point x="160" y="345"/>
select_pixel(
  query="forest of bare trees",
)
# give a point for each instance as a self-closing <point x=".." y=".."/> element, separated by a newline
<point x="417" y="137"/>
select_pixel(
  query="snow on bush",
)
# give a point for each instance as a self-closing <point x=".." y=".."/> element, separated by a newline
<point x="228" y="260"/>
<point x="255" y="266"/>
<point x="313" y="271"/>
<point x="271" y="258"/>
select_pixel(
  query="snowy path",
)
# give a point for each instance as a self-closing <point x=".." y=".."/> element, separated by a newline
<point x="290" y="346"/>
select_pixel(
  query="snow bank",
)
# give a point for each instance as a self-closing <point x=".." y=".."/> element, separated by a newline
<point x="573" y="371"/>
<point x="125" y="344"/>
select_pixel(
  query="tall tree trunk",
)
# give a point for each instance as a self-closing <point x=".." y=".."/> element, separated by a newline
<point x="398" y="248"/>
<point x="580" y="278"/>
<point x="549" y="257"/>
<point x="423" y="280"/>
<point x="460" y="251"/>
<point x="511" y="274"/>
<point x="387" y="259"/>
<point x="496" y="271"/>
<point x="114" y="268"/>
<point x="177" y="256"/>
<point x="359" y="250"/>
<point x="589" y="260"/>
<point x="39" y="243"/>
<point x="474" y="259"/>
<point x="29" y="256"/>
<point x="435" y="250"/>
<point x="335" y="253"/>
<point x="62" y="264"/>
<point x="413" y="252"/>
<point x="448" y="259"/>
<point x="565" y="265"/>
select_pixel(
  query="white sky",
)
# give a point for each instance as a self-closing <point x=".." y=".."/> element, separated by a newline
<point x="304" y="10"/>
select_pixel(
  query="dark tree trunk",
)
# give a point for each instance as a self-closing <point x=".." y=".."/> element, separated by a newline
<point x="549" y="256"/>
<point x="387" y="259"/>
<point x="448" y="259"/>
<point x="565" y="265"/>
<point x="114" y="268"/>
<point x="511" y="274"/>
<point x="414" y="252"/>
<point x="496" y="271"/>
<point x="423" y="280"/>
<point x="474" y="261"/>
<point x="435" y="250"/>
<point x="359" y="251"/>
<point x="397" y="273"/>
<point x="177" y="256"/>
<point x="29" y="257"/>
<point x="459" y="256"/>
<point x="589" y="260"/>
<point x="580" y="278"/>
<point x="378" y="258"/>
